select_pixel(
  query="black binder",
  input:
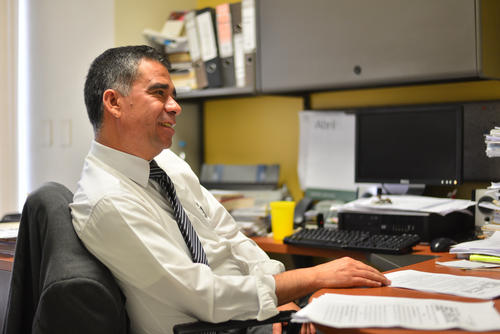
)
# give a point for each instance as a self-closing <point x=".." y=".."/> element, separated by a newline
<point x="205" y="20"/>
<point x="225" y="42"/>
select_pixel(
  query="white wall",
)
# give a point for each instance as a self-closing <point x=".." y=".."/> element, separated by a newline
<point x="8" y="82"/>
<point x="65" y="36"/>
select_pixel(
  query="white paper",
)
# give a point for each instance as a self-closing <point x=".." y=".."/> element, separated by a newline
<point x="347" y="311"/>
<point x="326" y="150"/>
<point x="494" y="185"/>
<point x="466" y="264"/>
<point x="464" y="286"/>
<point x="489" y="205"/>
<point x="488" y="246"/>
<point x="411" y="203"/>
<point x="9" y="230"/>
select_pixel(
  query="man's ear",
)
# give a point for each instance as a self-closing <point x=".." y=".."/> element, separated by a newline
<point x="110" y="102"/>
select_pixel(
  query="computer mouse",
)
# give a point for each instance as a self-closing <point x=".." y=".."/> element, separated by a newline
<point x="442" y="244"/>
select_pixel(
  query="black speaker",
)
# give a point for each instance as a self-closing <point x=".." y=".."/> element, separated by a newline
<point x="479" y="119"/>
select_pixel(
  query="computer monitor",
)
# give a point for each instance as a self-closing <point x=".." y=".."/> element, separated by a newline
<point x="409" y="145"/>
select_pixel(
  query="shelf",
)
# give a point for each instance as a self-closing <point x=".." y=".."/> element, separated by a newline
<point x="215" y="92"/>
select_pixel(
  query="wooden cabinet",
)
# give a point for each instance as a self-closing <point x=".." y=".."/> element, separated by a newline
<point x="335" y="44"/>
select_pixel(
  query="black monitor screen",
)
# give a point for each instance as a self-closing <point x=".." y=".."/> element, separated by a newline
<point x="416" y="145"/>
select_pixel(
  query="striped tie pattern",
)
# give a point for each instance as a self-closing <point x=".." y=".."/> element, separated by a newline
<point x="168" y="190"/>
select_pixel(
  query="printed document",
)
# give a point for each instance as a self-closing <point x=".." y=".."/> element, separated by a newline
<point x="465" y="286"/>
<point x="346" y="311"/>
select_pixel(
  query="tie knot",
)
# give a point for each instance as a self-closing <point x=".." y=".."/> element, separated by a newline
<point x="153" y="164"/>
<point x="155" y="171"/>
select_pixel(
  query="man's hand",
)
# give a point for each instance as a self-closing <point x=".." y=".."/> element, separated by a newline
<point x="347" y="272"/>
<point x="341" y="273"/>
<point x="307" y="328"/>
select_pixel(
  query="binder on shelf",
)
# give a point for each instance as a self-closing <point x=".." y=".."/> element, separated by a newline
<point x="205" y="20"/>
<point x="224" y="34"/>
<point x="249" y="39"/>
<point x="194" y="49"/>
<point x="238" y="51"/>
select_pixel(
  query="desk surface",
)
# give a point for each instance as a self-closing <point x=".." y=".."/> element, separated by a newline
<point x="6" y="262"/>
<point x="428" y="266"/>
<point x="269" y="245"/>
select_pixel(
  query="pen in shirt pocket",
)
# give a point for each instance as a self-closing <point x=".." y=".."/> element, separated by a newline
<point x="201" y="209"/>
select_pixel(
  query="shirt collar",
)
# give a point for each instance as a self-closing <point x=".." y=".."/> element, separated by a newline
<point x="135" y="168"/>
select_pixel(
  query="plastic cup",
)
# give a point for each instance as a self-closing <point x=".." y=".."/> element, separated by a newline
<point x="282" y="219"/>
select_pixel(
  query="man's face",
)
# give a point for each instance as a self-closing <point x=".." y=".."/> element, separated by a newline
<point x="149" y="111"/>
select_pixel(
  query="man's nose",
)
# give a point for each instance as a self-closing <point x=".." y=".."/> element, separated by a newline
<point x="172" y="105"/>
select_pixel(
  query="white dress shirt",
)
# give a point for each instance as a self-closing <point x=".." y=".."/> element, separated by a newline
<point x="123" y="220"/>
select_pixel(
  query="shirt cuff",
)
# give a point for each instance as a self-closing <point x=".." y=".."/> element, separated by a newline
<point x="266" y="287"/>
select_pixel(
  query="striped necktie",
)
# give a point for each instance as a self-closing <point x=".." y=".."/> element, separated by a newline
<point x="168" y="191"/>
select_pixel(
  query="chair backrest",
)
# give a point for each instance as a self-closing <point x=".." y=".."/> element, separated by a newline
<point x="57" y="286"/>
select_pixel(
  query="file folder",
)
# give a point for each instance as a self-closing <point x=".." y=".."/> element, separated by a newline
<point x="249" y="39"/>
<point x="205" y="20"/>
<point x="194" y="50"/>
<point x="225" y="38"/>
<point x="238" y="51"/>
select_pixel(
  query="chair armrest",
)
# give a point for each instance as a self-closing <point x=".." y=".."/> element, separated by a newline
<point x="201" y="326"/>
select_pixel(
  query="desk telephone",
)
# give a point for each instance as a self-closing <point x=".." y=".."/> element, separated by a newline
<point x="302" y="206"/>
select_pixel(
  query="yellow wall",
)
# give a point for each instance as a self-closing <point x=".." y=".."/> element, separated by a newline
<point x="132" y="17"/>
<point x="255" y="130"/>
<point x="212" y="3"/>
<point x="432" y="93"/>
<point x="265" y="129"/>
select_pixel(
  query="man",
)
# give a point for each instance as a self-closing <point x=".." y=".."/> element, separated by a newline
<point x="130" y="223"/>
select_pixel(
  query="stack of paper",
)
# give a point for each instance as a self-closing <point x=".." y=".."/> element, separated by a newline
<point x="249" y="208"/>
<point x="489" y="246"/>
<point x="347" y="311"/>
<point x="175" y="43"/>
<point x="408" y="203"/>
<point x="494" y="224"/>
<point x="492" y="141"/>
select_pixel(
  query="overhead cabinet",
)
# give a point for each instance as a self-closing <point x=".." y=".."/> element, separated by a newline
<point x="331" y="44"/>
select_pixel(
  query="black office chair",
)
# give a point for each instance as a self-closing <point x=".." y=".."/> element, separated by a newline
<point x="58" y="287"/>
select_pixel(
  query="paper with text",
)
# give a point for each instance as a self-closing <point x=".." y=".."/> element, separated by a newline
<point x="326" y="150"/>
<point x="465" y="286"/>
<point x="346" y="311"/>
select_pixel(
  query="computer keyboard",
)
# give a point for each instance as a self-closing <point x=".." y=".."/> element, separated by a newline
<point x="353" y="240"/>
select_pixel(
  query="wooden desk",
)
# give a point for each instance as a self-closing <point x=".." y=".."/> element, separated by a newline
<point x="428" y="266"/>
<point x="6" y="262"/>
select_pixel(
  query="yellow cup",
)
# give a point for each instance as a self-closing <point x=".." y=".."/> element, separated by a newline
<point x="282" y="219"/>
